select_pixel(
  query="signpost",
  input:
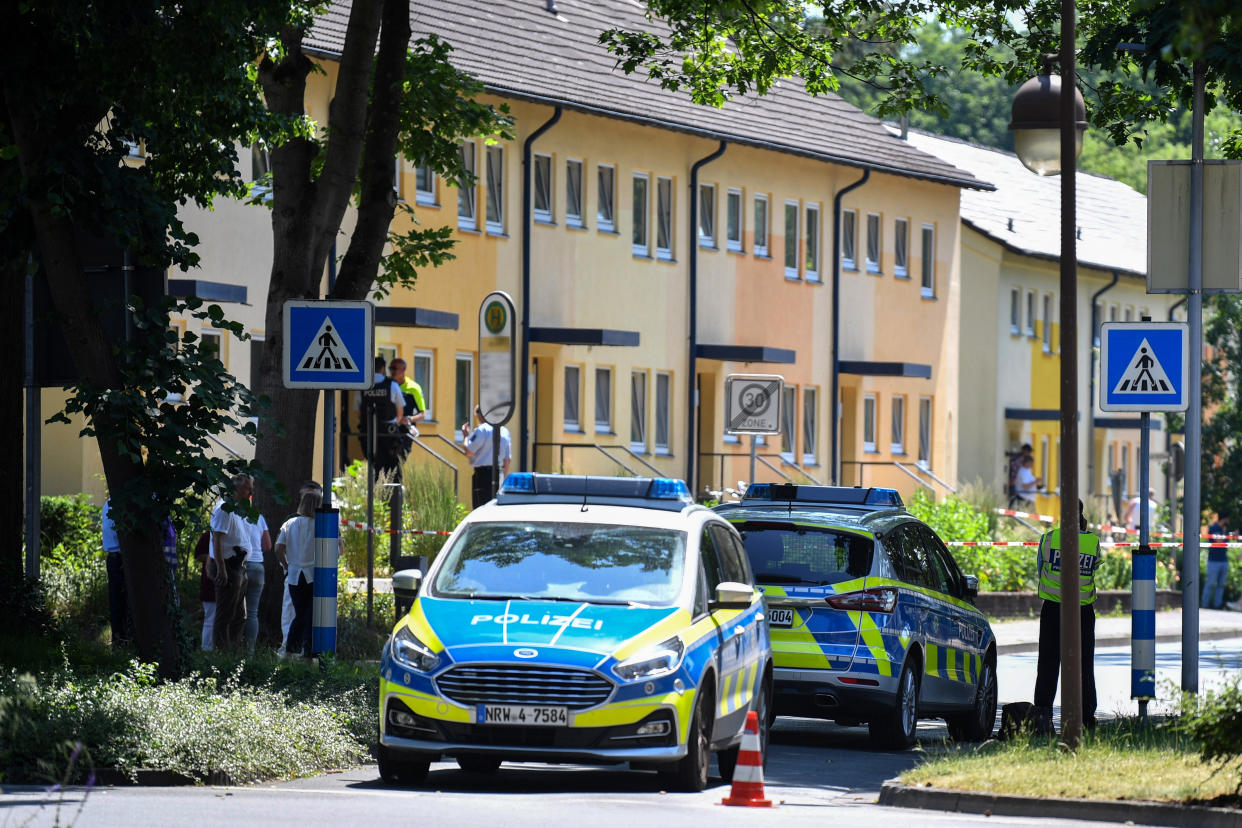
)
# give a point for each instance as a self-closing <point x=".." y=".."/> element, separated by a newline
<point x="1146" y="366"/>
<point x="753" y="406"/>
<point x="497" y="369"/>
<point x="327" y="346"/>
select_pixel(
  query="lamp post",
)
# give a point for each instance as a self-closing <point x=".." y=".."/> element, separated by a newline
<point x="1041" y="116"/>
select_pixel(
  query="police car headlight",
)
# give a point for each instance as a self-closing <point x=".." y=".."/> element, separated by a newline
<point x="660" y="660"/>
<point x="413" y="653"/>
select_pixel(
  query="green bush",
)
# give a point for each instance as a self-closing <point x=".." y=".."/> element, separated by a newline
<point x="71" y="521"/>
<point x="1214" y="721"/>
<point x="432" y="503"/>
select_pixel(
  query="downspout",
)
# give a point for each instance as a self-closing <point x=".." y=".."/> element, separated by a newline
<point x="834" y="412"/>
<point x="524" y="376"/>
<point x="1095" y="326"/>
<point x="692" y="389"/>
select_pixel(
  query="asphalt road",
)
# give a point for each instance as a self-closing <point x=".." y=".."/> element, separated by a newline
<point x="818" y="772"/>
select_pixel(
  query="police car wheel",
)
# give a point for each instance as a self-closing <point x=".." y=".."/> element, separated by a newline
<point x="478" y="764"/>
<point x="690" y="773"/>
<point x="896" y="728"/>
<point x="401" y="771"/>
<point x="978" y="724"/>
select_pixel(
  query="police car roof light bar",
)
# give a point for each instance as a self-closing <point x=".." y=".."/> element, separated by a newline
<point x="842" y="495"/>
<point x="658" y="492"/>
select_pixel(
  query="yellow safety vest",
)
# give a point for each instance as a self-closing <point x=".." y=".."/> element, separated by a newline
<point x="1050" y="566"/>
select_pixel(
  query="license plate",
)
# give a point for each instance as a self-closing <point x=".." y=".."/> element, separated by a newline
<point x="529" y="715"/>
<point x="780" y="617"/>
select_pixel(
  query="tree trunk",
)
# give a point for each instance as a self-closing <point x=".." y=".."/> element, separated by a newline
<point x="13" y="401"/>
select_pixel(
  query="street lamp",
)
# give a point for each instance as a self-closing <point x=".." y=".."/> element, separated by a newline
<point x="1041" y="114"/>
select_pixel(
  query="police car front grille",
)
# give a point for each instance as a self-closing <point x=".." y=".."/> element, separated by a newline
<point x="528" y="685"/>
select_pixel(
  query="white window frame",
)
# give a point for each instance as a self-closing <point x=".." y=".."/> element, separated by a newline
<point x="638" y="411"/>
<point x="603" y="426"/>
<point x="762" y="228"/>
<point x="927" y="284"/>
<point x="664" y="220"/>
<point x="875" y="240"/>
<point x="396" y="178"/>
<point x="467" y="193"/>
<point x="1047" y="331"/>
<point x="869" y="423"/>
<point x="707" y="215"/>
<point x="1015" y="311"/>
<point x="1030" y="314"/>
<point x="471" y="399"/>
<point x="925" y="432"/>
<point x="793" y="235"/>
<point x="574" y="424"/>
<point x="428" y="386"/>
<point x="735" y="219"/>
<point x="606" y="223"/>
<point x="849" y="239"/>
<point x="812" y="242"/>
<point x="666" y="379"/>
<point x="897" y="426"/>
<point x="495" y="190"/>
<point x="789" y="422"/>
<point x="425" y="196"/>
<point x="810" y="426"/>
<point x="545" y="212"/>
<point x="575" y="219"/>
<point x="643" y="212"/>
<point x="901" y="248"/>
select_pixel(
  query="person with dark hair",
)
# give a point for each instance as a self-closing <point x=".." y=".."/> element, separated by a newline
<point x="384" y="404"/>
<point x="479" y="453"/>
<point x="230" y="543"/>
<point x="1048" y="666"/>
<point x="1015" y="468"/>
<point x="415" y="407"/>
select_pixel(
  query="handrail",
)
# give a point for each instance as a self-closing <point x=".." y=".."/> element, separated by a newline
<point x="451" y="443"/>
<point x="927" y="470"/>
<point x="765" y="462"/>
<point x="213" y="438"/>
<point x="452" y="466"/>
<point x="916" y="478"/>
<point x="802" y="471"/>
<point x="600" y="449"/>
<point x="631" y="453"/>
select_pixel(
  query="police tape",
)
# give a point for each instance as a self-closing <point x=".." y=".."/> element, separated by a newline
<point x="1109" y="527"/>
<point x="353" y="524"/>
<point x="1104" y="544"/>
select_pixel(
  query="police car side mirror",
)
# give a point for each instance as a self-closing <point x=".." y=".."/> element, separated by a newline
<point x="733" y="595"/>
<point x="405" y="583"/>
<point x="972" y="586"/>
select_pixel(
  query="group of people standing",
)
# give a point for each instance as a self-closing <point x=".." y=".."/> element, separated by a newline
<point x="389" y="412"/>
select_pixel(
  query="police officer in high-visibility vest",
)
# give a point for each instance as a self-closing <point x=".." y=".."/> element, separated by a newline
<point x="1049" y="666"/>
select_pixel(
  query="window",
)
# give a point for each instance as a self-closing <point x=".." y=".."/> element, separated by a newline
<point x="603" y="400"/>
<point x="1128" y="314"/>
<point x="873" y="242"/>
<point x="642" y="210"/>
<point x="260" y="172"/>
<point x="789" y="417"/>
<point x="605" y="198"/>
<point x="573" y="193"/>
<point x="869" y="423"/>
<point x="467" y="210"/>
<point x="1015" y="310"/>
<point x="925" y="430"/>
<point x="791" y="240"/>
<point x="898" y="445"/>
<point x="1112" y="465"/>
<point x="638" y="410"/>
<point x="901" y="248"/>
<point x="423" y="364"/>
<point x="849" y="221"/>
<point x="707" y="215"/>
<point x="761" y="225"/>
<point x="929" y="261"/>
<point x="543" y="188"/>
<point x="495" y="188"/>
<point x="463" y="404"/>
<point x="812" y="242"/>
<point x="1097" y="319"/>
<point x="1030" y="313"/>
<point x="210" y="344"/>
<point x="1043" y="460"/>
<point x="1125" y="469"/>
<point x="733" y="219"/>
<point x="573" y="391"/>
<point x="664" y="218"/>
<point x="1112" y="313"/>
<point x="396" y="178"/>
<point x="1047" y="323"/>
<point x="810" y="426"/>
<point x="425" y="184"/>
<point x="663" y="400"/>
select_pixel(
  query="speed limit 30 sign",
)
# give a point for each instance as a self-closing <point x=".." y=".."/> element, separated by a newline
<point x="753" y="403"/>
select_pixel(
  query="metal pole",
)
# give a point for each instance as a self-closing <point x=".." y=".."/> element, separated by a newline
<point x="1143" y="588"/>
<point x="1194" y="416"/>
<point x="496" y="459"/>
<point x="329" y="431"/>
<point x="753" y="451"/>
<point x="323" y="608"/>
<point x="372" y="444"/>
<point x="1071" y="649"/>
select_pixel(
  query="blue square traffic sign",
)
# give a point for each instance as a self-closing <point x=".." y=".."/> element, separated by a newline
<point x="1144" y="366"/>
<point x="329" y="345"/>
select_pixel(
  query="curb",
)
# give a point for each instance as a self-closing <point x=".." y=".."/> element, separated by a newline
<point x="145" y="777"/>
<point x="896" y="795"/>
<point x="1118" y="640"/>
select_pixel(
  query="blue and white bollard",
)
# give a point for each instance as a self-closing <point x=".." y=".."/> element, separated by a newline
<point x="327" y="551"/>
<point x="1143" y="626"/>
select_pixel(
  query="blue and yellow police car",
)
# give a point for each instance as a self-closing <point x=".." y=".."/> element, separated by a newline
<point x="871" y="619"/>
<point x="578" y="619"/>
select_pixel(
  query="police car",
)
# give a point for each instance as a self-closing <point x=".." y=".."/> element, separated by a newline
<point x="578" y="619"/>
<point x="871" y="619"/>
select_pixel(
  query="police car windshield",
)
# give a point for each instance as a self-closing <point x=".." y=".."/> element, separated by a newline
<point x="786" y="553"/>
<point x="595" y="563"/>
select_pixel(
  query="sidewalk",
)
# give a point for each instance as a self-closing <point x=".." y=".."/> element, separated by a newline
<point x="1022" y="636"/>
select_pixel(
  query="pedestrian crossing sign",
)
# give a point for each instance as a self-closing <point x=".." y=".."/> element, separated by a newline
<point x="328" y="345"/>
<point x="1144" y="366"/>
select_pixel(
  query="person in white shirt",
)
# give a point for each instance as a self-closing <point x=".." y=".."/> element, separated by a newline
<point x="1027" y="484"/>
<point x="286" y="607"/>
<point x="295" y="549"/>
<point x="230" y="541"/>
<point x="1133" y="515"/>
<point x="256" y="576"/>
<point x="479" y="453"/>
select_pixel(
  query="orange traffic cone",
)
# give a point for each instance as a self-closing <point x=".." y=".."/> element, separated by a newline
<point x="748" y="774"/>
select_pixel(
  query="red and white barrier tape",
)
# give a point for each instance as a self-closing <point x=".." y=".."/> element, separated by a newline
<point x="1107" y="545"/>
<point x="353" y="524"/>
<point x="1108" y="527"/>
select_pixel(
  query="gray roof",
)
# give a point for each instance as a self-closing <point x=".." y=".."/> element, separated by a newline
<point x="1024" y="212"/>
<point x="518" y="49"/>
